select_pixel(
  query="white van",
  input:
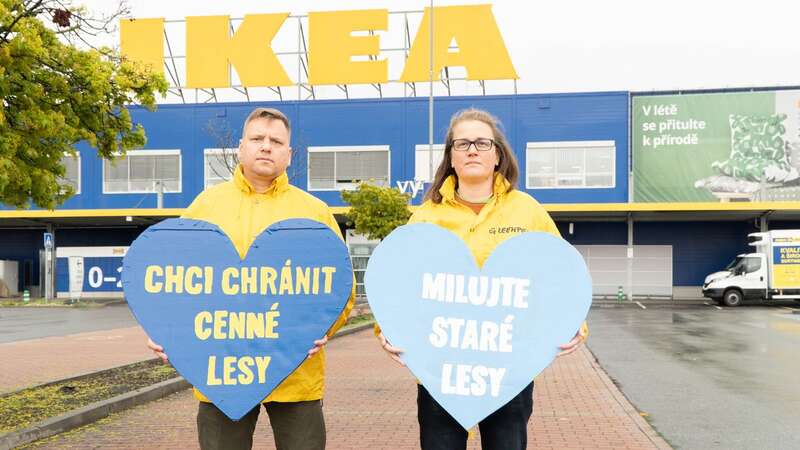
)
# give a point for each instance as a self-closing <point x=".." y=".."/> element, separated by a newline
<point x="771" y="273"/>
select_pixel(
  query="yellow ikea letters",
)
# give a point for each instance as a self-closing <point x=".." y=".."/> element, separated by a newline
<point x="480" y="47"/>
<point x="144" y="43"/>
<point x="332" y="46"/>
<point x="210" y="48"/>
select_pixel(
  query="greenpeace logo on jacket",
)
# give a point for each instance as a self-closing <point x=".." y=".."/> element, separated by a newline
<point x="505" y="230"/>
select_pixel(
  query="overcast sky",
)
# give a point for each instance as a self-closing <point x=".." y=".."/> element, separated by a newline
<point x="580" y="45"/>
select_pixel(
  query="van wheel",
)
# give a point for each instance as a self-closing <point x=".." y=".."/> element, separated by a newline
<point x="732" y="297"/>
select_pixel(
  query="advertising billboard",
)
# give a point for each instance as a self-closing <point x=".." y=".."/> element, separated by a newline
<point x="742" y="146"/>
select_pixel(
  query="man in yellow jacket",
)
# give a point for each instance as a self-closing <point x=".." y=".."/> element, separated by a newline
<point x="259" y="195"/>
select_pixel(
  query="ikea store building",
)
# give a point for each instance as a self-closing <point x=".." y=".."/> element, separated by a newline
<point x="656" y="190"/>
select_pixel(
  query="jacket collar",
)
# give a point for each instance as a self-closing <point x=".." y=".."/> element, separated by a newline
<point x="278" y="185"/>
<point x="448" y="189"/>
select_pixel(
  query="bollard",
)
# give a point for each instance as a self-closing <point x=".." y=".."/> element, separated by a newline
<point x="620" y="294"/>
<point x="26" y="296"/>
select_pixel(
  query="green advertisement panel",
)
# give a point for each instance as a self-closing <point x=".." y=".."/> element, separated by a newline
<point x="717" y="147"/>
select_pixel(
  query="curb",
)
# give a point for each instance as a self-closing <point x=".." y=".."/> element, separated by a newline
<point x="76" y="377"/>
<point x="84" y="304"/>
<point x="630" y="410"/>
<point x="353" y="329"/>
<point x="91" y="413"/>
<point x="121" y="301"/>
<point x="98" y="410"/>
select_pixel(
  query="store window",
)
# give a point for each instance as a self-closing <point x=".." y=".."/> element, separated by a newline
<point x="340" y="168"/>
<point x="218" y="165"/>
<point x="141" y="171"/>
<point x="570" y="164"/>
<point x="72" y="172"/>
<point x="426" y="161"/>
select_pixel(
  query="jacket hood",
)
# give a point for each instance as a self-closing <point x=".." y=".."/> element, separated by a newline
<point x="448" y="189"/>
<point x="278" y="184"/>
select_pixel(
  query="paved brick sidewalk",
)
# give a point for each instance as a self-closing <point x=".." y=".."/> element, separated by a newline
<point x="36" y="361"/>
<point x="370" y="404"/>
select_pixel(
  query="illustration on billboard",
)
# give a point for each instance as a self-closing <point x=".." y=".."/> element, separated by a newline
<point x="717" y="147"/>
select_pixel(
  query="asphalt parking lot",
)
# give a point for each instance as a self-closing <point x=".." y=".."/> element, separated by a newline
<point x="705" y="376"/>
<point x="20" y="324"/>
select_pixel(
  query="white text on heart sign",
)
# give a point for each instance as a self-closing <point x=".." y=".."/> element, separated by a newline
<point x="469" y="334"/>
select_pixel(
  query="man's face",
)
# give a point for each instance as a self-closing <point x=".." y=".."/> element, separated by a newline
<point x="264" y="151"/>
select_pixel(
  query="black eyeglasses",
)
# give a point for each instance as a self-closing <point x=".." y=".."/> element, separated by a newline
<point x="481" y="144"/>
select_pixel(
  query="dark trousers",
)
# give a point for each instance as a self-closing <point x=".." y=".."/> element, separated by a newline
<point x="295" y="425"/>
<point x="504" y="429"/>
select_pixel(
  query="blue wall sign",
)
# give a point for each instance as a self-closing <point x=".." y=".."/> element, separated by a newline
<point x="100" y="274"/>
<point x="476" y="337"/>
<point x="236" y="328"/>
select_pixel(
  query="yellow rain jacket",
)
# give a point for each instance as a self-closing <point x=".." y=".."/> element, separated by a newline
<point x="243" y="214"/>
<point x="507" y="214"/>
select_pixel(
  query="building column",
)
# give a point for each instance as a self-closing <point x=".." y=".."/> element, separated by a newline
<point x="50" y="266"/>
<point x="629" y="259"/>
<point x="763" y="223"/>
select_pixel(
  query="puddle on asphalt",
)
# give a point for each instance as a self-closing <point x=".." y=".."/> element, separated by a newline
<point x="789" y="323"/>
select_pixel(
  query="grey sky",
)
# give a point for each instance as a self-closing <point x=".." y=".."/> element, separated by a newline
<point x="579" y="45"/>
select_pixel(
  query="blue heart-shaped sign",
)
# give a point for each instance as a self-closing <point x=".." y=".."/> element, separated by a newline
<point x="476" y="337"/>
<point x="235" y="329"/>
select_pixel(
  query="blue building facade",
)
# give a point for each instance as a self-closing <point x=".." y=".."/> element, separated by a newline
<point x="401" y="124"/>
<point x="589" y="197"/>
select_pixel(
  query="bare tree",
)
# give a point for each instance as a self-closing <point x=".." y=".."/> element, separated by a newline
<point x="225" y="162"/>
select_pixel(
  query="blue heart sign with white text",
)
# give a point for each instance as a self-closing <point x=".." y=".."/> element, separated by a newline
<point x="236" y="328"/>
<point x="476" y="337"/>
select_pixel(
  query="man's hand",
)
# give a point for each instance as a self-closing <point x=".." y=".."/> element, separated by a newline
<point x="318" y="344"/>
<point x="158" y="350"/>
<point x="390" y="350"/>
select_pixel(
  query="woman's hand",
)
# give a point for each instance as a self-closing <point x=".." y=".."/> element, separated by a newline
<point x="572" y="345"/>
<point x="392" y="351"/>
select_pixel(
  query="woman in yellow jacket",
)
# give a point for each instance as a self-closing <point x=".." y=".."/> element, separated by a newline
<point x="473" y="195"/>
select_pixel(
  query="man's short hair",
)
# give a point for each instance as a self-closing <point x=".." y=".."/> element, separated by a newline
<point x="266" y="113"/>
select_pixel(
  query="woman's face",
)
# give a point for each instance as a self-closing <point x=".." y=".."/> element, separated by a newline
<point x="473" y="166"/>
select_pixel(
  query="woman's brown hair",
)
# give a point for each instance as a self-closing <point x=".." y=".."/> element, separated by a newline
<point x="506" y="167"/>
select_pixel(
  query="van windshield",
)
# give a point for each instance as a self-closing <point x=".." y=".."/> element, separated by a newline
<point x="733" y="263"/>
<point x="744" y="265"/>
